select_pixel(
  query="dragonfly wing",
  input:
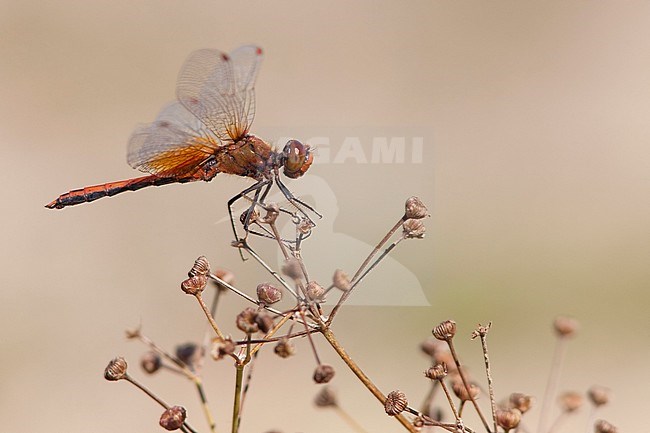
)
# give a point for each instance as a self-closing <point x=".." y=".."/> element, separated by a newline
<point x="176" y="143"/>
<point x="219" y="89"/>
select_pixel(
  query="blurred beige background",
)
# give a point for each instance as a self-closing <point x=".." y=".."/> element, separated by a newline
<point x="536" y="168"/>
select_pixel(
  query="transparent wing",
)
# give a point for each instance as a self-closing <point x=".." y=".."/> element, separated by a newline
<point x="219" y="89"/>
<point x="176" y="143"/>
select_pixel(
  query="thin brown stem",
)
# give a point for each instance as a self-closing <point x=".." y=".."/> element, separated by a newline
<point x="378" y="247"/>
<point x="349" y="420"/>
<point x="267" y="337"/>
<point x="551" y="385"/>
<point x="558" y="422"/>
<point x="331" y="339"/>
<point x="482" y="332"/>
<point x="345" y="295"/>
<point x="239" y="374"/>
<point x="208" y="315"/>
<point x="270" y="270"/>
<point x="466" y="384"/>
<point x="182" y="369"/>
<point x="186" y="427"/>
<point x="428" y="400"/>
<point x="450" y="401"/>
<point x="204" y="404"/>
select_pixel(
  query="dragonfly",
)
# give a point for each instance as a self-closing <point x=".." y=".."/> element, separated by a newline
<point x="206" y="132"/>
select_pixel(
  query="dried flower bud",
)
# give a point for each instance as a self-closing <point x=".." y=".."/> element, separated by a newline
<point x="570" y="401"/>
<point x="268" y="294"/>
<point x="565" y="326"/>
<point x="150" y="362"/>
<point x="445" y="330"/>
<point x="508" y="419"/>
<point x="521" y="401"/>
<point x="341" y="281"/>
<point x="116" y="369"/>
<point x="284" y="348"/>
<point x="272" y="212"/>
<point x="395" y="403"/>
<point x="254" y="216"/>
<point x="415" y="209"/>
<point x="194" y="285"/>
<point x="246" y="321"/>
<point x="437" y="372"/>
<point x="602" y="426"/>
<point x="173" y="418"/>
<point x="315" y="291"/>
<point x="325" y="398"/>
<point x="225" y="275"/>
<point x="305" y="226"/>
<point x="323" y="373"/>
<point x="413" y="229"/>
<point x="461" y="392"/>
<point x="222" y="348"/>
<point x="200" y="267"/>
<point x="191" y="354"/>
<point x="292" y="269"/>
<point x="598" y="395"/>
<point x="264" y="322"/>
<point x="133" y="333"/>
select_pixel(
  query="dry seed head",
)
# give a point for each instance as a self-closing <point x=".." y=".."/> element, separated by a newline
<point x="431" y="345"/>
<point x="395" y="403"/>
<point x="292" y="269"/>
<point x="246" y="321"/>
<point x="325" y="398"/>
<point x="565" y="326"/>
<point x="272" y="212"/>
<point x="461" y="392"/>
<point x="439" y="352"/>
<point x="415" y="209"/>
<point x="191" y="354"/>
<point x="598" y="395"/>
<point x="413" y="229"/>
<point x="445" y="331"/>
<point x="437" y="372"/>
<point x="173" y="418"/>
<point x="268" y="294"/>
<point x="255" y="216"/>
<point x="116" y="369"/>
<point x="284" y="348"/>
<point x="341" y="281"/>
<point x="222" y="348"/>
<point x="315" y="291"/>
<point x="200" y="267"/>
<point x="323" y="373"/>
<point x="571" y="401"/>
<point x="150" y="362"/>
<point x="194" y="285"/>
<point x="264" y="321"/>
<point x="133" y="333"/>
<point x="305" y="226"/>
<point x="521" y="401"/>
<point x="508" y="419"/>
<point x="602" y="426"/>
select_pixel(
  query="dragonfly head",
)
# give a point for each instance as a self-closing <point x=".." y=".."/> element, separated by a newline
<point x="297" y="158"/>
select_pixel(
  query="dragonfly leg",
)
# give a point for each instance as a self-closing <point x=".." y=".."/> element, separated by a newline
<point x="255" y="187"/>
<point x="296" y="201"/>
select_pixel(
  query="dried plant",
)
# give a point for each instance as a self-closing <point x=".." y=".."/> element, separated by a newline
<point x="264" y="324"/>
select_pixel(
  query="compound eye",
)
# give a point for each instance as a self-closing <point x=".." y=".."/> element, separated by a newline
<point x="297" y="159"/>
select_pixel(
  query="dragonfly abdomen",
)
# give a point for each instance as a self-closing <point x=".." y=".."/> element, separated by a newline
<point x="95" y="192"/>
